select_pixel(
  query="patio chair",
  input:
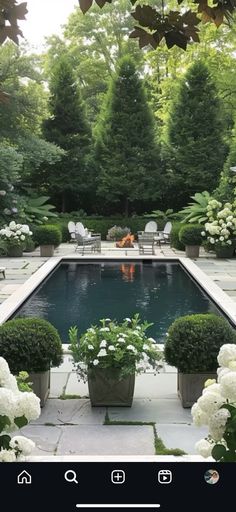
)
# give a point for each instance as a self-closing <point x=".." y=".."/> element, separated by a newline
<point x="151" y="227"/>
<point x="95" y="237"/>
<point x="83" y="243"/>
<point x="146" y="243"/>
<point x="71" y="229"/>
<point x="164" y="236"/>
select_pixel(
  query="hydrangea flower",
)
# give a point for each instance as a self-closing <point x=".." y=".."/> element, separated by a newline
<point x="204" y="448"/>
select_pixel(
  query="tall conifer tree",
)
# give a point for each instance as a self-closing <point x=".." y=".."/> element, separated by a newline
<point x="195" y="134"/>
<point x="68" y="128"/>
<point x="126" y="154"/>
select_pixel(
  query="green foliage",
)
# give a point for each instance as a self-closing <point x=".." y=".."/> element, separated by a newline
<point x="47" y="235"/>
<point x="23" y="382"/>
<point x="126" y="154"/>
<point x="174" y="237"/>
<point x="68" y="128"/>
<point x="193" y="342"/>
<point x="30" y="344"/>
<point x="114" y="346"/>
<point x="196" y="211"/>
<point x="117" y="233"/>
<point x="195" y="133"/>
<point x="191" y="235"/>
<point x="34" y="209"/>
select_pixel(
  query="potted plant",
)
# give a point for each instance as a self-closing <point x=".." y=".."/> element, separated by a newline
<point x="192" y="346"/>
<point x="47" y="237"/>
<point x="191" y="237"/>
<point x="220" y="230"/>
<point x="15" y="237"/>
<point x="32" y="345"/>
<point x="109" y="355"/>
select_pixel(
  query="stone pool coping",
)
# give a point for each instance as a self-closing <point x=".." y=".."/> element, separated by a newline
<point x="214" y="292"/>
<point x="120" y="458"/>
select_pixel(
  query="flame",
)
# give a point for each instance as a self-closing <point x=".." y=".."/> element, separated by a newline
<point x="127" y="241"/>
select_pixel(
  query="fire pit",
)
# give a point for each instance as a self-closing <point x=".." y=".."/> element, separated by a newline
<point x="127" y="241"/>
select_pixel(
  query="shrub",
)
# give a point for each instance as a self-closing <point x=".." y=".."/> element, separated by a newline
<point x="174" y="237"/>
<point x="30" y="344"/>
<point x="117" y="233"/>
<point x="48" y="235"/>
<point x="191" y="234"/>
<point x="29" y="245"/>
<point x="193" y="342"/>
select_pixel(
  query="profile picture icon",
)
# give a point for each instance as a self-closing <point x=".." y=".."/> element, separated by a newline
<point x="211" y="476"/>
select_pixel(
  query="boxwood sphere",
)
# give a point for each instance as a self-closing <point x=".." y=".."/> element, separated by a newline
<point x="191" y="234"/>
<point x="30" y="344"/>
<point x="194" y="341"/>
<point x="48" y="235"/>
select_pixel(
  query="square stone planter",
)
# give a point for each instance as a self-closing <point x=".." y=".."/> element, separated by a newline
<point x="192" y="251"/>
<point x="106" y="389"/>
<point x="41" y="385"/>
<point x="190" y="386"/>
<point x="46" y="251"/>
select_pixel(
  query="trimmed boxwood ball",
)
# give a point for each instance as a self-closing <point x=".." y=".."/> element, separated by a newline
<point x="30" y="344"/>
<point x="48" y="235"/>
<point x="194" y="341"/>
<point x="191" y="235"/>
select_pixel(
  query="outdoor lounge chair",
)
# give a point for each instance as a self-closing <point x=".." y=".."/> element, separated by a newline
<point x="146" y="243"/>
<point x="84" y="243"/>
<point x="151" y="227"/>
<point x="164" y="236"/>
<point x="71" y="229"/>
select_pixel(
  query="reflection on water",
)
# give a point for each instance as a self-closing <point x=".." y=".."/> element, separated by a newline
<point x="82" y="294"/>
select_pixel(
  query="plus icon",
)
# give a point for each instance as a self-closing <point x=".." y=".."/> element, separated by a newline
<point x="118" y="476"/>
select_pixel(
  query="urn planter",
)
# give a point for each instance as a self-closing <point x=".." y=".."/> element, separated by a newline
<point x="190" y="386"/>
<point x="41" y="385"/>
<point x="107" y="389"/>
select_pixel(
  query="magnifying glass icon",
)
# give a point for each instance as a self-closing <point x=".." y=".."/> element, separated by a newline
<point x="70" y="476"/>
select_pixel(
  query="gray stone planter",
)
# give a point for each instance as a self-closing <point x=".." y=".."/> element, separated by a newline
<point x="192" y="251"/>
<point x="105" y="388"/>
<point x="190" y="386"/>
<point x="46" y="251"/>
<point x="41" y="385"/>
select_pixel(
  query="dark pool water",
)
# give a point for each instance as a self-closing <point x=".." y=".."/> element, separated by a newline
<point x="82" y="294"/>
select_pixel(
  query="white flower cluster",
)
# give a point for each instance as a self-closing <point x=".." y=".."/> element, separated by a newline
<point x="209" y="408"/>
<point x="15" y="233"/>
<point x="221" y="225"/>
<point x="15" y="404"/>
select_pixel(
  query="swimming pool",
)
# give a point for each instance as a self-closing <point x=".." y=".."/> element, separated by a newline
<point x="83" y="293"/>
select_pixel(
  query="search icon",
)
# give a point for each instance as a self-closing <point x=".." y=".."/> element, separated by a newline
<point x="70" y="476"/>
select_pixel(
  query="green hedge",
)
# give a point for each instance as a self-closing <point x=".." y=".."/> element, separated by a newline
<point x="48" y="235"/>
<point x="103" y="224"/>
<point x="191" y="234"/>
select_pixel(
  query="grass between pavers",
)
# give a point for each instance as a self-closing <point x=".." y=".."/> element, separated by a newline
<point x="160" y="448"/>
<point x="69" y="397"/>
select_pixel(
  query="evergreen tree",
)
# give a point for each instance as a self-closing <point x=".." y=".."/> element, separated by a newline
<point x="68" y="128"/>
<point x="197" y="150"/>
<point x="126" y="155"/>
<point x="226" y="190"/>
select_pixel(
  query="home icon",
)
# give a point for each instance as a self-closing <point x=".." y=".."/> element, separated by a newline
<point x="24" y="478"/>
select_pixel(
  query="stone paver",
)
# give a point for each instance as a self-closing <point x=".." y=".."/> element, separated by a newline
<point x="58" y="384"/>
<point x="75" y="412"/>
<point x="156" y="386"/>
<point x="75" y="387"/>
<point x="106" y="440"/>
<point x="45" y="438"/>
<point x="181" y="436"/>
<point x="152" y="410"/>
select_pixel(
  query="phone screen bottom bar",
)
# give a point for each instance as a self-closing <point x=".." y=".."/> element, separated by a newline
<point x="119" y="505"/>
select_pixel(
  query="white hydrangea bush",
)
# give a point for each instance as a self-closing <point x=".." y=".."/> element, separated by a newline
<point x="216" y="408"/>
<point x="16" y="410"/>
<point x="220" y="229"/>
<point x="15" y="234"/>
